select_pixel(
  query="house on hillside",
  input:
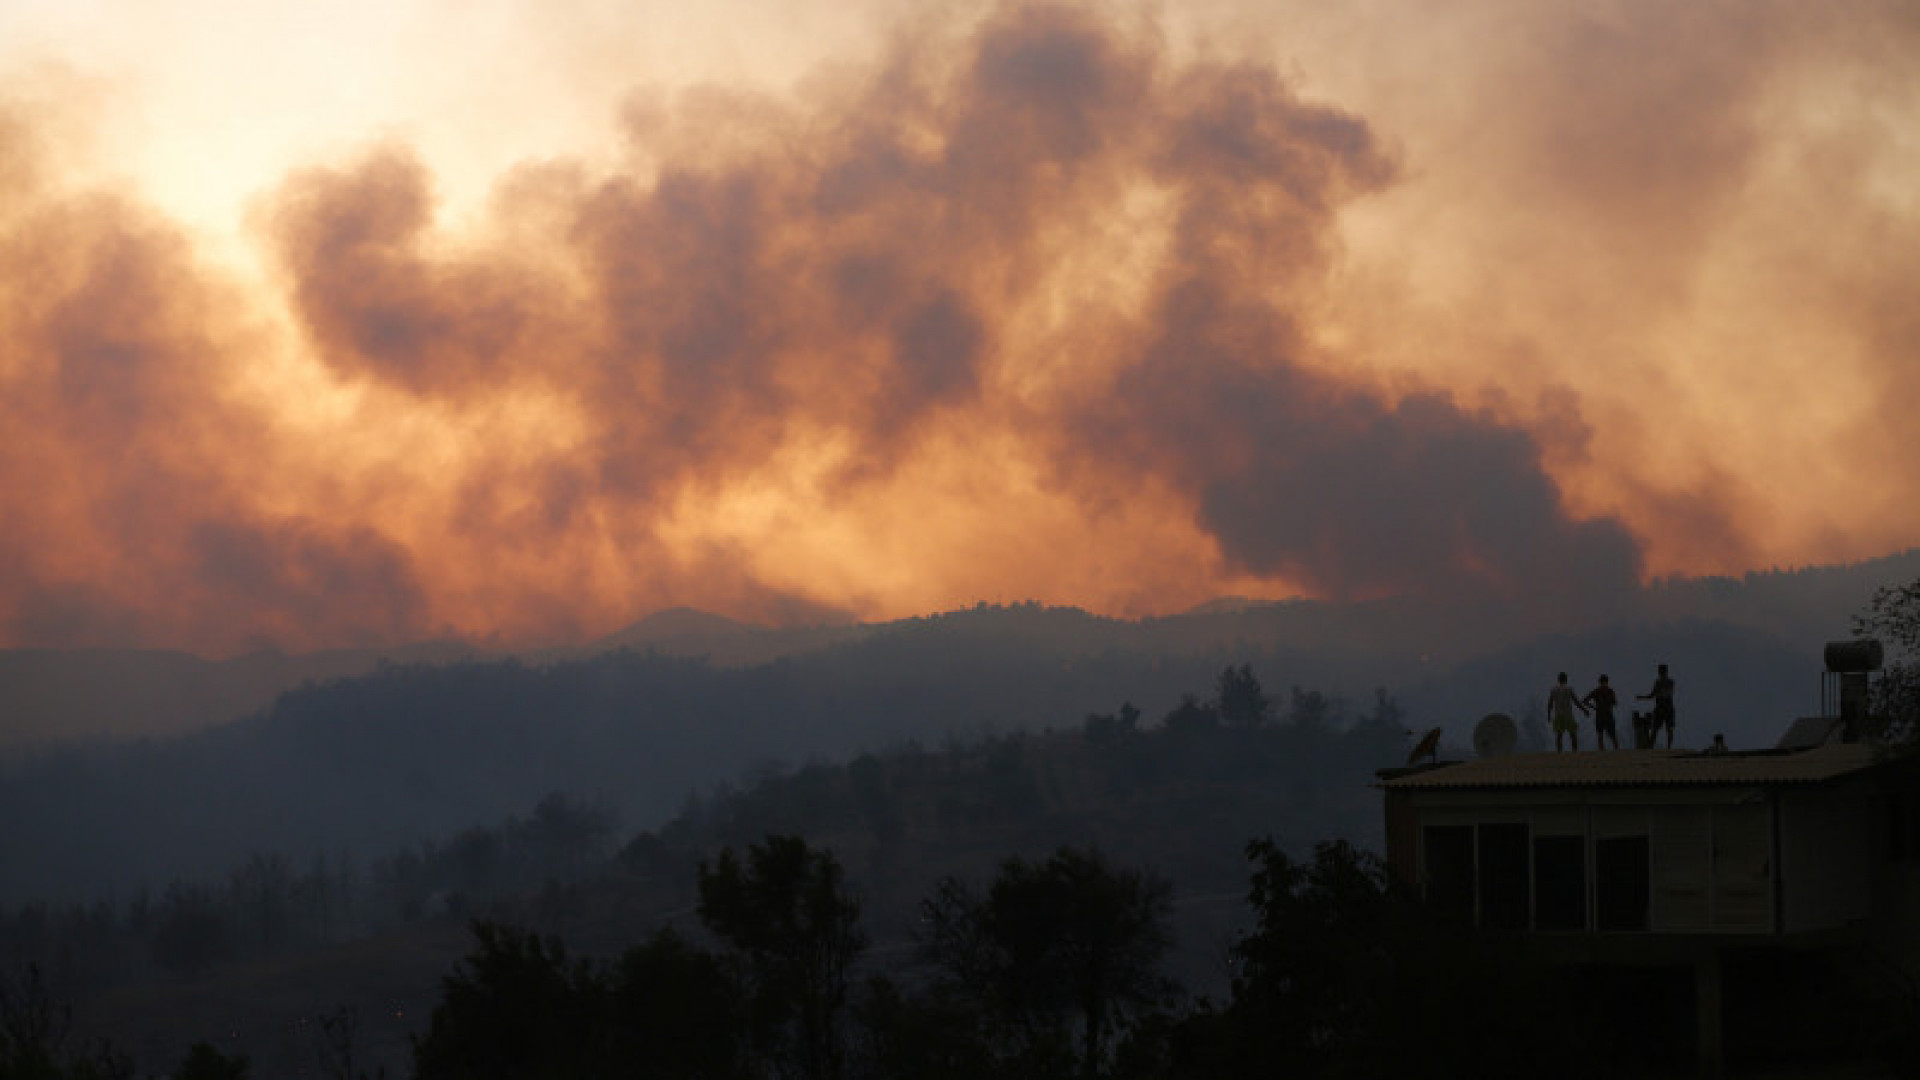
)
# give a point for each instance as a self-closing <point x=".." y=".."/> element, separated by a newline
<point x="1680" y="858"/>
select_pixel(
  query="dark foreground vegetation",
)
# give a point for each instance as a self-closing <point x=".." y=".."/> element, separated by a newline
<point x="985" y="928"/>
<point x="1050" y="967"/>
<point x="1179" y="795"/>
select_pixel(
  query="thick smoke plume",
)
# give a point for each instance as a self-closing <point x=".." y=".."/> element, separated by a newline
<point x="1050" y="307"/>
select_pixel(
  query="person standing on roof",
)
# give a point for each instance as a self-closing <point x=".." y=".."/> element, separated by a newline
<point x="1561" y="701"/>
<point x="1662" y="696"/>
<point x="1602" y="699"/>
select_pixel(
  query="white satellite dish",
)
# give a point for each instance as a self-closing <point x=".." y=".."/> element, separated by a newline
<point x="1495" y="736"/>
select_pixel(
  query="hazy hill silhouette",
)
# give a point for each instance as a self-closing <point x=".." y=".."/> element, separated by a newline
<point x="404" y="751"/>
<point x="57" y="695"/>
<point x="50" y="695"/>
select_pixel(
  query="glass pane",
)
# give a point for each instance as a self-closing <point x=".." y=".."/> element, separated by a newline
<point x="1449" y="871"/>
<point x="1621" y="882"/>
<point x="1503" y="877"/>
<point x="1559" y="883"/>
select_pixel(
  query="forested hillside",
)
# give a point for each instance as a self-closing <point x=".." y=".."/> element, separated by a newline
<point x="1182" y="794"/>
<point x="924" y="911"/>
<point x="414" y="751"/>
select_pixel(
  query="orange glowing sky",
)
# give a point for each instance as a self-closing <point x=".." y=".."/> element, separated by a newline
<point x="363" y="323"/>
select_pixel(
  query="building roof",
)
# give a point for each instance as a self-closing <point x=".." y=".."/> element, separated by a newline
<point x="1641" y="768"/>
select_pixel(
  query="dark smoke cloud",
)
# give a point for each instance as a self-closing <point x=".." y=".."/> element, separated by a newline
<point x="125" y="472"/>
<point x="1673" y="208"/>
<point x="297" y="576"/>
<point x="1293" y="474"/>
<point x="377" y="304"/>
<point x="1055" y="246"/>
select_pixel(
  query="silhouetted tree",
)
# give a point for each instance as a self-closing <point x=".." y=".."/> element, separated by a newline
<point x="34" y="1030"/>
<point x="1008" y="785"/>
<point x="1310" y="710"/>
<point x="1241" y="701"/>
<point x="1309" y="977"/>
<point x="932" y="1035"/>
<point x="474" y="863"/>
<point x="203" y="1062"/>
<point x="1191" y="715"/>
<point x="514" y="1008"/>
<point x="320" y="898"/>
<point x="785" y="910"/>
<point x="261" y="892"/>
<point x="1386" y="720"/>
<point x="1344" y="974"/>
<point x="873" y="793"/>
<point x="567" y="835"/>
<point x="677" y="1013"/>
<point x="517" y="1007"/>
<point x="337" y="1045"/>
<point x="1893" y="616"/>
<point x="1057" y="955"/>
<point x="1099" y="727"/>
<point x="649" y="854"/>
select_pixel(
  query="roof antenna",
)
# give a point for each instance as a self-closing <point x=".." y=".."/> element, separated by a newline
<point x="1428" y="747"/>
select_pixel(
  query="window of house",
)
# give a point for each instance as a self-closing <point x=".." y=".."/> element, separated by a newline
<point x="1559" y="883"/>
<point x="1622" y="882"/>
<point x="1502" y="876"/>
<point x="1449" y="871"/>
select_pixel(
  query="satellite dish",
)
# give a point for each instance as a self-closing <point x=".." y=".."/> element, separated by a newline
<point x="1428" y="747"/>
<point x="1495" y="736"/>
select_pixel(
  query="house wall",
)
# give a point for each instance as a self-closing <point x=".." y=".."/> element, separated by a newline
<point x="1699" y="861"/>
<point x="1713" y="866"/>
<point x="1826" y="856"/>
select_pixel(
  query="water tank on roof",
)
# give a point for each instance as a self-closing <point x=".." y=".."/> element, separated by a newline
<point x="1860" y="654"/>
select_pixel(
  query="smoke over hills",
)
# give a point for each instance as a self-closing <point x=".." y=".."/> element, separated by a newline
<point x="1040" y="302"/>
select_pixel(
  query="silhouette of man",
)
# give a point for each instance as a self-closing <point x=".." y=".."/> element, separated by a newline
<point x="1603" y="700"/>
<point x="1561" y="701"/>
<point x="1662" y="696"/>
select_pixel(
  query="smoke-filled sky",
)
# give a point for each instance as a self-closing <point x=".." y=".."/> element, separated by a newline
<point x="367" y="322"/>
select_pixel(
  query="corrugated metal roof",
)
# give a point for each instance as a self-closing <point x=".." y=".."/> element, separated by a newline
<point x="1644" y="768"/>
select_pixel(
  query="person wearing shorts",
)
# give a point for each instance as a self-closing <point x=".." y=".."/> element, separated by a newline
<point x="1602" y="700"/>
<point x="1561" y="701"/>
<point x="1662" y="697"/>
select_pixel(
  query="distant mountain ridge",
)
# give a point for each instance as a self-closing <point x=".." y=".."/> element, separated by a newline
<point x="59" y="695"/>
<point x="54" y="695"/>
<point x="369" y="760"/>
<point x="690" y="632"/>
